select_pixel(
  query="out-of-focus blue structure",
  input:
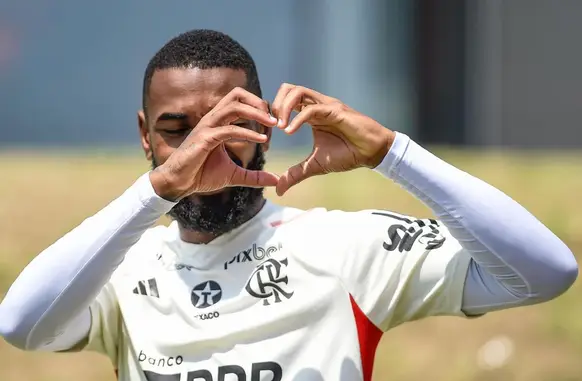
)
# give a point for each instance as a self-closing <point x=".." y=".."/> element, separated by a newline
<point x="458" y="72"/>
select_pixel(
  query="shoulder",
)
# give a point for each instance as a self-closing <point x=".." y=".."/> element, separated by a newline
<point x="322" y="220"/>
<point x="321" y="229"/>
<point x="338" y="230"/>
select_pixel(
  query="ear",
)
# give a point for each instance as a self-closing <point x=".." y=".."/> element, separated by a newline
<point x="269" y="132"/>
<point x="144" y="134"/>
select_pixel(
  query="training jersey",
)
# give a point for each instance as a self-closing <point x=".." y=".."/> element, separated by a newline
<point x="290" y="295"/>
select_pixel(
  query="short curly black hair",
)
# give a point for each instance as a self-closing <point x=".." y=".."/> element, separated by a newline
<point x="202" y="49"/>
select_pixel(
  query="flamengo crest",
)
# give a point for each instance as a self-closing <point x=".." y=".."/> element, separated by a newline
<point x="269" y="282"/>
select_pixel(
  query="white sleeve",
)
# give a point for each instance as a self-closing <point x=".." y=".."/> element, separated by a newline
<point x="76" y="332"/>
<point x="48" y="305"/>
<point x="516" y="260"/>
<point x="479" y="255"/>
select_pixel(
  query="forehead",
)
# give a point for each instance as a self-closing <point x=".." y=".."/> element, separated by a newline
<point x="191" y="91"/>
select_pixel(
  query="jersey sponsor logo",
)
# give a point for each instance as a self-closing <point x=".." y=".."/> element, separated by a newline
<point x="206" y="294"/>
<point x="254" y="253"/>
<point x="148" y="287"/>
<point x="402" y="236"/>
<point x="207" y="315"/>
<point x="160" y="362"/>
<point x="268" y="370"/>
<point x="269" y="282"/>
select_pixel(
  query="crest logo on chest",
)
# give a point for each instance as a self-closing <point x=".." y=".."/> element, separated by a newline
<point x="269" y="282"/>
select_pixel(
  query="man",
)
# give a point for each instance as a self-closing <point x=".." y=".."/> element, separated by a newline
<point x="239" y="288"/>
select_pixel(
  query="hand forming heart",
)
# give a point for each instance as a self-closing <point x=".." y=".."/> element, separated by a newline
<point x="343" y="139"/>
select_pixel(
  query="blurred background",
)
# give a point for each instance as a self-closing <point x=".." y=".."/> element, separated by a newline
<point x="492" y="86"/>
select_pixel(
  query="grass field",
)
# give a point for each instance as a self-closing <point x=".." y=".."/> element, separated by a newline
<point x="42" y="196"/>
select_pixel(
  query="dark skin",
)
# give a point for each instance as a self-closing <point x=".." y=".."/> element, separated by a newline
<point x="343" y="138"/>
<point x="178" y="100"/>
<point x="229" y="122"/>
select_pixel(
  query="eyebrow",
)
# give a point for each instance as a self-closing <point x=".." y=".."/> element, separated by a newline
<point x="172" y="116"/>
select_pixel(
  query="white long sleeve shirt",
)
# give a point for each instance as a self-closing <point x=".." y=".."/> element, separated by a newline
<point x="291" y="294"/>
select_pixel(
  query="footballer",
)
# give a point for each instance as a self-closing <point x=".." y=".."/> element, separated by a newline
<point x="239" y="288"/>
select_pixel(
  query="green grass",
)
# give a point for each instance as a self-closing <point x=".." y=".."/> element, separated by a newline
<point x="44" y="195"/>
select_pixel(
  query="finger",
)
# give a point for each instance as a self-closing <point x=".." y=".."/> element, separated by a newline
<point x="222" y="134"/>
<point x="310" y="113"/>
<point x="297" y="97"/>
<point x="281" y="95"/>
<point x="296" y="174"/>
<point x="236" y="110"/>
<point x="254" y="179"/>
<point x="239" y="94"/>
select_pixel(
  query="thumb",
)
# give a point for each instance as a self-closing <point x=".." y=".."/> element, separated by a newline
<point x="254" y="179"/>
<point x="297" y="173"/>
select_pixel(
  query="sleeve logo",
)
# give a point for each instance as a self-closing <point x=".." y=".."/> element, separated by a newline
<point x="402" y="236"/>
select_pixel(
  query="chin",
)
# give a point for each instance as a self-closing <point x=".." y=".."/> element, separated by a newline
<point x="216" y="197"/>
<point x="223" y="210"/>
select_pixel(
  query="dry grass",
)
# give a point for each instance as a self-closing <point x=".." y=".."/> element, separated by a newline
<point x="42" y="196"/>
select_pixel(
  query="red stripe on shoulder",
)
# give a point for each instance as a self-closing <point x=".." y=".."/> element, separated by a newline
<point x="368" y="337"/>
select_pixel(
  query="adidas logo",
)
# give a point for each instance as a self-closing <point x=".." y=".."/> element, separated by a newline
<point x="150" y="290"/>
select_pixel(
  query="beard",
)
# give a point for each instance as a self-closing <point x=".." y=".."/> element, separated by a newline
<point x="222" y="212"/>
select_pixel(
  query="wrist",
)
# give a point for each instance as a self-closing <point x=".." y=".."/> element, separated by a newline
<point x="398" y="150"/>
<point x="162" y="186"/>
<point x="386" y="140"/>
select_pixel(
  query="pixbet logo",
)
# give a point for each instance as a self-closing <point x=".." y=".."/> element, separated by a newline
<point x="254" y="253"/>
<point x="269" y="282"/>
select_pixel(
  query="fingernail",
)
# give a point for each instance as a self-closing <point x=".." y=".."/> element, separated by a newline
<point x="280" y="123"/>
<point x="273" y="119"/>
<point x="287" y="129"/>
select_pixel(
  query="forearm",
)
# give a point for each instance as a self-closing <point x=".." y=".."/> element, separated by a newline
<point x="63" y="280"/>
<point x="516" y="259"/>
